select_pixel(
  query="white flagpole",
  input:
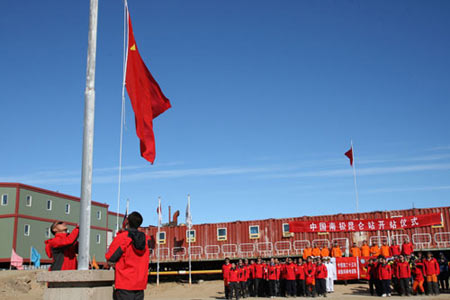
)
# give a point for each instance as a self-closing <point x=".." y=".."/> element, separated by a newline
<point x="157" y="241"/>
<point x="88" y="142"/>
<point x="354" y="177"/>
<point x="189" y="238"/>
<point x="122" y="114"/>
<point x="31" y="250"/>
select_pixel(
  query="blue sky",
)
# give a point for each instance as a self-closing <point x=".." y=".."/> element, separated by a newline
<point x="266" y="97"/>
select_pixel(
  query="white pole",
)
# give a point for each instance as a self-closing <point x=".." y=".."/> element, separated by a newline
<point x="189" y="240"/>
<point x="354" y="177"/>
<point x="122" y="113"/>
<point x="157" y="241"/>
<point x="88" y="142"/>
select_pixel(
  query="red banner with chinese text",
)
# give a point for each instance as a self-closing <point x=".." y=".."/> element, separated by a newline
<point x="347" y="268"/>
<point x="366" y="225"/>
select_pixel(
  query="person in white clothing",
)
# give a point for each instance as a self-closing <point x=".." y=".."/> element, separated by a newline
<point x="331" y="277"/>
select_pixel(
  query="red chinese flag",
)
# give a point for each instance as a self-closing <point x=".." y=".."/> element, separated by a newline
<point x="146" y="97"/>
<point x="349" y="154"/>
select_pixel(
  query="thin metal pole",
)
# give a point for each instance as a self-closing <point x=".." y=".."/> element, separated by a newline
<point x="122" y="113"/>
<point x="189" y="239"/>
<point x="88" y="142"/>
<point x="157" y="241"/>
<point x="354" y="178"/>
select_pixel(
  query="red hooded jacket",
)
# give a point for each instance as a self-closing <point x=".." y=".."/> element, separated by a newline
<point x="63" y="249"/>
<point x="402" y="270"/>
<point x="272" y="269"/>
<point x="407" y="248"/>
<point x="300" y="272"/>
<point x="233" y="275"/>
<point x="291" y="270"/>
<point x="384" y="272"/>
<point x="431" y="267"/>
<point x="395" y="250"/>
<point x="259" y="270"/>
<point x="129" y="251"/>
<point x="321" y="271"/>
<point x="418" y="275"/>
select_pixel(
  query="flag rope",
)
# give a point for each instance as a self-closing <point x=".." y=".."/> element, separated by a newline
<point x="122" y="113"/>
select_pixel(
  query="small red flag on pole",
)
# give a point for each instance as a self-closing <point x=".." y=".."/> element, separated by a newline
<point x="349" y="154"/>
<point x="146" y="97"/>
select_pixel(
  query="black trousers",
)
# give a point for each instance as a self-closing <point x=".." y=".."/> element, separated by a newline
<point x="386" y="286"/>
<point x="301" y="287"/>
<point x="291" y="288"/>
<point x="243" y="287"/>
<point x="128" y="295"/>
<point x="404" y="286"/>
<point x="443" y="280"/>
<point x="321" y="286"/>
<point x="234" y="290"/>
<point x="372" y="285"/>
<point x="250" y="287"/>
<point x="272" y="288"/>
<point x="258" y="287"/>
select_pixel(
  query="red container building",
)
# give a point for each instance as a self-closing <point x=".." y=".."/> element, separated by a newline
<point x="271" y="237"/>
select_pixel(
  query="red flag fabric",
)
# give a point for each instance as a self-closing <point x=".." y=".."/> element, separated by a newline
<point x="147" y="99"/>
<point x="349" y="154"/>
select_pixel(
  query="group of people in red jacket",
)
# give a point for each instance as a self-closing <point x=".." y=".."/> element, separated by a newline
<point x="405" y="274"/>
<point x="128" y="254"/>
<point x="289" y="278"/>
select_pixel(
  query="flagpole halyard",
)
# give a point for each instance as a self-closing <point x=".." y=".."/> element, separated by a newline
<point x="189" y="223"/>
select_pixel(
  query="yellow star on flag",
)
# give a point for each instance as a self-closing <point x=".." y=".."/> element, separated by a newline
<point x="133" y="48"/>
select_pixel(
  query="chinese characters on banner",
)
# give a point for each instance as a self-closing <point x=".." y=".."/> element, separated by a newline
<point x="366" y="225"/>
<point x="349" y="268"/>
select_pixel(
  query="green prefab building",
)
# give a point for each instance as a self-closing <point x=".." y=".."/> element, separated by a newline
<point x="27" y="212"/>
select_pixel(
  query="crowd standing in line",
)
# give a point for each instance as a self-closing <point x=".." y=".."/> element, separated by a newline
<point x="390" y="269"/>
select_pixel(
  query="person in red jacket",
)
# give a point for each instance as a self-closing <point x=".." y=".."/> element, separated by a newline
<point x="129" y="255"/>
<point x="225" y="273"/>
<point x="272" y="277"/>
<point x="291" y="270"/>
<point x="407" y="249"/>
<point x="371" y="276"/>
<point x="62" y="248"/>
<point x="300" y="276"/>
<point x="394" y="250"/>
<point x="250" y="276"/>
<point x="259" y="274"/>
<point x="431" y="273"/>
<point x="385" y="276"/>
<point x="278" y="269"/>
<point x="310" y="281"/>
<point x="403" y="274"/>
<point x="242" y="278"/>
<point x="321" y="275"/>
<point x="418" y="279"/>
<point x="233" y="282"/>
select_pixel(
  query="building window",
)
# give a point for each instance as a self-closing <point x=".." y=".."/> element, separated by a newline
<point x="99" y="215"/>
<point x="26" y="229"/>
<point x="221" y="234"/>
<point x="49" y="204"/>
<point x="67" y="210"/>
<point x="254" y="231"/>
<point x="190" y="235"/>
<point x="285" y="229"/>
<point x="162" y="237"/>
<point x="28" y="201"/>
<point x="4" y="199"/>
<point x="98" y="238"/>
<point x="47" y="232"/>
